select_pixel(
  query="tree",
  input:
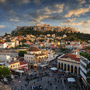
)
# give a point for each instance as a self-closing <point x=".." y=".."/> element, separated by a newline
<point x="50" y="40"/>
<point x="21" y="53"/>
<point x="88" y="47"/>
<point x="24" y="40"/>
<point x="41" y="40"/>
<point x="4" y="71"/>
<point x="83" y="54"/>
<point x="5" y="34"/>
<point x="63" y="49"/>
<point x="88" y="56"/>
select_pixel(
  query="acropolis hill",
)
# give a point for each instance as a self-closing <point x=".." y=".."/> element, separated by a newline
<point x="47" y="27"/>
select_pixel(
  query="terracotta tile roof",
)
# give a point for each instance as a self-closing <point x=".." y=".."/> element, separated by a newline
<point x="1" y="43"/>
<point x="13" y="62"/>
<point x="75" y="41"/>
<point x="21" y="59"/>
<point x="21" y="63"/>
<point x="28" y="42"/>
<point x="40" y="43"/>
<point x="84" y="47"/>
<point x="71" y="56"/>
<point x="76" y="50"/>
<point x="18" y="57"/>
<point x="87" y="50"/>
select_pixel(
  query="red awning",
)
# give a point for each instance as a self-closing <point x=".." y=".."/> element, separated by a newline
<point x="23" y="66"/>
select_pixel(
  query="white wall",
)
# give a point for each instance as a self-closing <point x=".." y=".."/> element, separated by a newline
<point x="4" y="45"/>
<point x="34" y="52"/>
<point x="29" y="58"/>
<point x="5" y="58"/>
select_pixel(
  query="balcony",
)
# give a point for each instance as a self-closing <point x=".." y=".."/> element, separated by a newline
<point x="83" y="62"/>
<point x="83" y="69"/>
<point x="83" y="75"/>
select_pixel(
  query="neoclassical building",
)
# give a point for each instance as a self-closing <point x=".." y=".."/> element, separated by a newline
<point x="35" y="56"/>
<point x="69" y="62"/>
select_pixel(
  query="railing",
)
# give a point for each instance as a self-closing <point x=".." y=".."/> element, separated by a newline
<point x="83" y="69"/>
<point x="83" y="62"/>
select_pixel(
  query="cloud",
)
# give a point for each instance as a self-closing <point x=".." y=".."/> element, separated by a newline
<point x="18" y="2"/>
<point x="2" y="26"/>
<point x="38" y="2"/>
<point x="82" y="23"/>
<point x="46" y="13"/>
<point x="81" y="1"/>
<point x="14" y="19"/>
<point x="78" y="12"/>
<point x="57" y="8"/>
<point x="2" y="1"/>
<point x="4" y="5"/>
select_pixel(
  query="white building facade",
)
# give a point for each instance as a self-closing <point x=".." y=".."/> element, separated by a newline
<point x="3" y="45"/>
<point x="85" y="72"/>
<point x="5" y="58"/>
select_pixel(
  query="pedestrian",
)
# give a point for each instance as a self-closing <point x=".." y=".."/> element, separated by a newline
<point x="32" y="87"/>
<point x="41" y="78"/>
<point x="34" y="83"/>
<point x="61" y="81"/>
<point x="48" y="82"/>
<point x="58" y="81"/>
<point x="70" y="87"/>
<point x="46" y="89"/>
<point x="56" y="87"/>
<point x="28" y="82"/>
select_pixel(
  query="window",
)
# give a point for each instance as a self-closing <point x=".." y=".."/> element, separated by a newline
<point x="13" y="65"/>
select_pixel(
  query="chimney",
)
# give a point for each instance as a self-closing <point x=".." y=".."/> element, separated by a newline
<point x="77" y="53"/>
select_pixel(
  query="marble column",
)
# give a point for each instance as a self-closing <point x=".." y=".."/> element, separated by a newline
<point x="63" y="66"/>
<point x="73" y="69"/>
<point x="77" y="70"/>
<point x="66" y="67"/>
<point x="60" y="65"/>
<point x="70" y="68"/>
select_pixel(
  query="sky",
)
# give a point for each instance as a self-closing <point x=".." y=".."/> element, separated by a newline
<point x="71" y="13"/>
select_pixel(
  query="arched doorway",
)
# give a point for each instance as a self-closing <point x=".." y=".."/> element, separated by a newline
<point x="71" y="69"/>
<point x="75" y="69"/>
<point x="62" y="66"/>
<point x="68" y="68"/>
<point x="59" y="65"/>
<point x="65" y="67"/>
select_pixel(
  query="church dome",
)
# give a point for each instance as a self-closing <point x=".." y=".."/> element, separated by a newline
<point x="34" y="49"/>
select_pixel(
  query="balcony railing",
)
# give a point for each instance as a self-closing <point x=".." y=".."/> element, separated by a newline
<point x="83" y="69"/>
<point x="83" y="62"/>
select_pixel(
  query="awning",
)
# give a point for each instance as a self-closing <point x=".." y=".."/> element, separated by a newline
<point x="71" y="80"/>
<point x="23" y="66"/>
<point x="67" y="71"/>
<point x="5" y="80"/>
<point x="43" y="65"/>
<point x="53" y="68"/>
<point x="19" y="71"/>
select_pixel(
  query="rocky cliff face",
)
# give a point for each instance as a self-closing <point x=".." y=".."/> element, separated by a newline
<point x="47" y="27"/>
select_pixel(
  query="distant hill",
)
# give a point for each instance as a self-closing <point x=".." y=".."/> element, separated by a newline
<point x="47" y="29"/>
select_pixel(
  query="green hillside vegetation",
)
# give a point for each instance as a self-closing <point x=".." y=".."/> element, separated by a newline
<point x="88" y="47"/>
<point x="70" y="36"/>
